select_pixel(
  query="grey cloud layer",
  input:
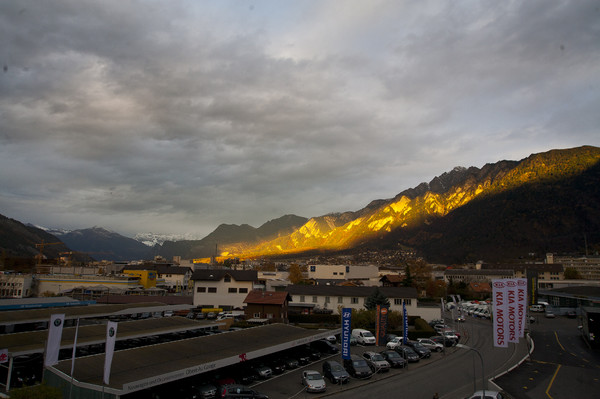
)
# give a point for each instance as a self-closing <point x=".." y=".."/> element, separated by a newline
<point x="177" y="116"/>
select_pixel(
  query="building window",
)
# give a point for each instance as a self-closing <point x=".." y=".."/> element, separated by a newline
<point x="227" y="279"/>
<point x="302" y="298"/>
<point x="313" y="268"/>
<point x="256" y="315"/>
<point x="212" y="290"/>
<point x="340" y="299"/>
<point x="397" y="301"/>
<point x="354" y="300"/>
<point x="327" y="299"/>
<point x="335" y="273"/>
<point x="243" y="290"/>
<point x="269" y="315"/>
<point x="407" y="301"/>
<point x="347" y="269"/>
<point x="201" y="289"/>
<point x="232" y="290"/>
<point x="314" y="299"/>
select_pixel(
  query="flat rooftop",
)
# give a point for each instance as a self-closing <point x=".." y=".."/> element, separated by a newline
<point x="34" y="341"/>
<point x="11" y="317"/>
<point x="140" y="368"/>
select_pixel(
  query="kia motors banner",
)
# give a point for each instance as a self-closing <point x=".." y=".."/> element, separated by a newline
<point x="382" y="320"/>
<point x="404" y="322"/>
<point x="522" y="305"/>
<point x="500" y="324"/>
<point x="512" y="329"/>
<point x="111" y="337"/>
<point x="346" y="332"/>
<point x="55" y="329"/>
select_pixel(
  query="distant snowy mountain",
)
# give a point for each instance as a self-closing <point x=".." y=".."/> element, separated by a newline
<point x="152" y="239"/>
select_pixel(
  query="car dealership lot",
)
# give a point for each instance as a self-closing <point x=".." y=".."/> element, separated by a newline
<point x="289" y="384"/>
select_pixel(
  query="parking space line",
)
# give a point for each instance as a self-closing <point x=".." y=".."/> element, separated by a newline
<point x="552" y="382"/>
<point x="562" y="347"/>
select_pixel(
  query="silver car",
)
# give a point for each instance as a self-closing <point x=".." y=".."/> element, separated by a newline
<point x="313" y="381"/>
<point x="377" y="362"/>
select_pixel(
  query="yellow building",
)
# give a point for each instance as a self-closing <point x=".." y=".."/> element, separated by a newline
<point x="147" y="277"/>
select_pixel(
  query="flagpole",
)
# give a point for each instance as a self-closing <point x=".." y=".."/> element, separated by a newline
<point x="73" y="357"/>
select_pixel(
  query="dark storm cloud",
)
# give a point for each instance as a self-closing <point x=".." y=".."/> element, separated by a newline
<point x="177" y="116"/>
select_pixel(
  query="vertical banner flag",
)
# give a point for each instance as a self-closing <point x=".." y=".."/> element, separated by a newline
<point x="346" y="332"/>
<point x="404" y="322"/>
<point x="532" y="283"/>
<point x="54" y="337"/>
<point x="512" y="328"/>
<point x="382" y="319"/>
<point x="111" y="336"/>
<point x="522" y="305"/>
<point x="500" y="308"/>
<point x="3" y="355"/>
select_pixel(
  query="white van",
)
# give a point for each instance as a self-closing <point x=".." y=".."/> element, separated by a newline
<point x="363" y="337"/>
<point x="536" y="308"/>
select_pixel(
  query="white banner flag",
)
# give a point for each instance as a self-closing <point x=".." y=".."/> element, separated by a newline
<point x="111" y="336"/>
<point x="3" y="355"/>
<point x="500" y="309"/>
<point x="522" y="305"/>
<point x="512" y="327"/>
<point x="54" y="337"/>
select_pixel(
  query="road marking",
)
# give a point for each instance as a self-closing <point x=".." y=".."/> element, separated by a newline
<point x="561" y="347"/>
<point x="552" y="381"/>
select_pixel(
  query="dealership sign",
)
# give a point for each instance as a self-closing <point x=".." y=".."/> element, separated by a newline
<point x="510" y="301"/>
<point x="346" y="332"/>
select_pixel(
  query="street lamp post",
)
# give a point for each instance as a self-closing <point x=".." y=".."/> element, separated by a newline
<point x="482" y="371"/>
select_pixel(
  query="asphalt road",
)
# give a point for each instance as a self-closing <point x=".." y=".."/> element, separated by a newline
<point x="453" y="374"/>
<point x="560" y="367"/>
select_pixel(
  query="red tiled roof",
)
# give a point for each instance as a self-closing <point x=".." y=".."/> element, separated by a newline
<point x="480" y="287"/>
<point x="268" y="297"/>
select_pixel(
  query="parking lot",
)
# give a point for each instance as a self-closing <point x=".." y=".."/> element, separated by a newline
<point x="289" y="385"/>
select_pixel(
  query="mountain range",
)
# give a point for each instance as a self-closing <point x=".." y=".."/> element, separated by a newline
<point x="547" y="202"/>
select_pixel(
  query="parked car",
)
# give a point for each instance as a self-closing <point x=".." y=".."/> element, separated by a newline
<point x="357" y="367"/>
<point x="443" y="340"/>
<point x="276" y="364"/>
<point x="313" y="381"/>
<point x="240" y="391"/>
<point x="389" y="337"/>
<point x="290" y="363"/>
<point x="335" y="372"/>
<point x="377" y="362"/>
<point x="451" y="335"/>
<point x="262" y="371"/>
<point x="393" y="358"/>
<point x="205" y="391"/>
<point x="422" y="351"/>
<point x="312" y="353"/>
<point x="431" y="344"/>
<point x="394" y="343"/>
<point x="408" y="353"/>
<point x="302" y="357"/>
<point x="550" y="315"/>
<point x="324" y="346"/>
<point x="571" y="314"/>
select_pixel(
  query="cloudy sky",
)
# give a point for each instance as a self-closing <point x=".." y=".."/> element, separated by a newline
<point x="176" y="116"/>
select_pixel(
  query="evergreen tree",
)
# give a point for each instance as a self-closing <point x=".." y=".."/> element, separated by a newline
<point x="376" y="298"/>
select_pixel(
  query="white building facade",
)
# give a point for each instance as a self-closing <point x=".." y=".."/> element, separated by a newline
<point x="222" y="288"/>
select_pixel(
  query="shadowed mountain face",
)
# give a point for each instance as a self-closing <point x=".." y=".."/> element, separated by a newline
<point x="542" y="203"/>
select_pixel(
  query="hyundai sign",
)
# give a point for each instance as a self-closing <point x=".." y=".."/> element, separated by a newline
<point x="346" y="332"/>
